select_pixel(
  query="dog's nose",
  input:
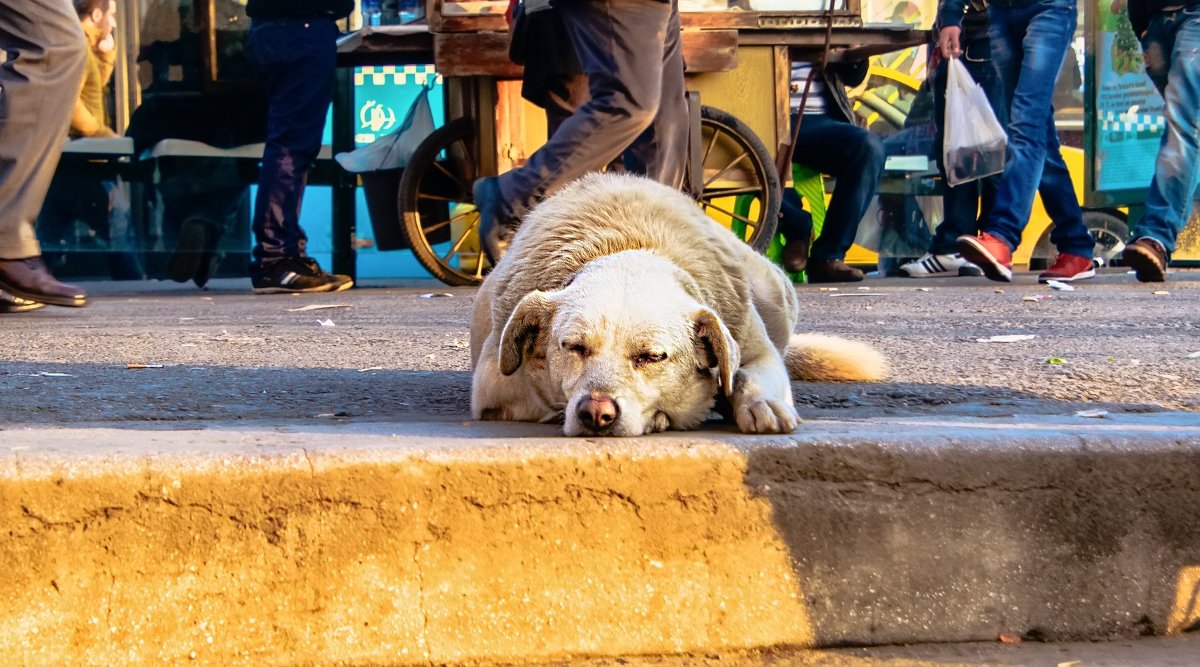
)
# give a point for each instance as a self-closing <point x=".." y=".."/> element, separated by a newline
<point x="598" y="413"/>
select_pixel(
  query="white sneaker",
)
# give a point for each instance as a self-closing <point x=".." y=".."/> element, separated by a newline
<point x="937" y="266"/>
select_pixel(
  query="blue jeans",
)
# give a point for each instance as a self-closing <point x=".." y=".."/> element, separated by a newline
<point x="296" y="62"/>
<point x="855" y="158"/>
<point x="1172" y="48"/>
<point x="1029" y="45"/>
<point x="962" y="203"/>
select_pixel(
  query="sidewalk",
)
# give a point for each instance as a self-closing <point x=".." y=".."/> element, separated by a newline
<point x="286" y="492"/>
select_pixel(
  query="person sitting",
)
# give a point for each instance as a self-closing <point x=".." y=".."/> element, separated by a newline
<point x="90" y="115"/>
<point x="829" y="141"/>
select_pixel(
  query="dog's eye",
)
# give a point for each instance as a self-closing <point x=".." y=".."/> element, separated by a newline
<point x="647" y="358"/>
<point x="576" y="348"/>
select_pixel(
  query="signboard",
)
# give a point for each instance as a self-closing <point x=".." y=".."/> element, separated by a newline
<point x="1128" y="112"/>
<point x="382" y="96"/>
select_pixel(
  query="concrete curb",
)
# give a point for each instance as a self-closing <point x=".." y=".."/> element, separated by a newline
<point x="451" y="542"/>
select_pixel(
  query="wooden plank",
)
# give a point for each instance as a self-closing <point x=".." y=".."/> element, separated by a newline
<point x="486" y="53"/>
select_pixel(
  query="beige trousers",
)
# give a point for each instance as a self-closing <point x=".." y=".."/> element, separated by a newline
<point x="39" y="81"/>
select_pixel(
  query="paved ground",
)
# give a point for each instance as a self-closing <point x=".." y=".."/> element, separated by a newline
<point x="1157" y="652"/>
<point x="391" y="353"/>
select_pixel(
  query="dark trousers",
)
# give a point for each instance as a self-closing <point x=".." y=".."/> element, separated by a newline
<point x="855" y="158"/>
<point x="630" y="53"/>
<point x="295" y="60"/>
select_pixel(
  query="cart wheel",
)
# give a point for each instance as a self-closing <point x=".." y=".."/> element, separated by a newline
<point x="437" y="208"/>
<point x="740" y="186"/>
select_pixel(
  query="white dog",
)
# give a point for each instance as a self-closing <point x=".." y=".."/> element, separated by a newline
<point x="622" y="309"/>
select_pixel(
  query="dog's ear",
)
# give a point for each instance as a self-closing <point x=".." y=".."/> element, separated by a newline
<point x="526" y="331"/>
<point x="715" y="346"/>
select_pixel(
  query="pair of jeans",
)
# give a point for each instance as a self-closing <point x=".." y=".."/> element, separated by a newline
<point x="1029" y="44"/>
<point x="1172" y="54"/>
<point x="966" y="205"/>
<point x="854" y="157"/>
<point x="296" y="61"/>
<point x="637" y="107"/>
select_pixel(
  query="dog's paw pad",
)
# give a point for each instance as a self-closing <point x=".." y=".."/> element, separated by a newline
<point x="658" y="423"/>
<point x="766" y="416"/>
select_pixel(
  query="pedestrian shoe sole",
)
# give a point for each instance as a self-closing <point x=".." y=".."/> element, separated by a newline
<point x="329" y="287"/>
<point x="976" y="254"/>
<point x="12" y="304"/>
<point x="48" y="299"/>
<point x="1082" y="275"/>
<point x="1145" y="264"/>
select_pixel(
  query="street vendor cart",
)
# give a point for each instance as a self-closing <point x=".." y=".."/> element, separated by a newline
<point x="738" y="66"/>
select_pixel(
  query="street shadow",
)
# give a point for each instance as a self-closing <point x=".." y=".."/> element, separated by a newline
<point x="41" y="393"/>
<point x="938" y="536"/>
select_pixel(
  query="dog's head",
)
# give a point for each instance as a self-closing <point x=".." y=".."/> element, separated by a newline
<point x="632" y="348"/>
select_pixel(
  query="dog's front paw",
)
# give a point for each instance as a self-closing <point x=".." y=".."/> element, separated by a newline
<point x="766" y="416"/>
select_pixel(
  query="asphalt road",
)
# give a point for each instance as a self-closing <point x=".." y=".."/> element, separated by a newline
<point x="396" y="353"/>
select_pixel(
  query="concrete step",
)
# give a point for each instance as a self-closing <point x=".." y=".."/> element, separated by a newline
<point x="456" y="542"/>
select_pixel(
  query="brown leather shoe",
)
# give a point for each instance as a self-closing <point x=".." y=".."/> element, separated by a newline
<point x="12" y="304"/>
<point x="1148" y="259"/>
<point x="833" y="271"/>
<point x="794" y="256"/>
<point x="29" y="279"/>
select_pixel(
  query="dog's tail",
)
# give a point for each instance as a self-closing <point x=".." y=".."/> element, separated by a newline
<point x="818" y="358"/>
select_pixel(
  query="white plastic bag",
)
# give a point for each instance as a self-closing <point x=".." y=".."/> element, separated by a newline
<point x="975" y="142"/>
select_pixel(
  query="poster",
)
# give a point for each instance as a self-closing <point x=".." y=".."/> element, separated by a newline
<point x="1129" y="111"/>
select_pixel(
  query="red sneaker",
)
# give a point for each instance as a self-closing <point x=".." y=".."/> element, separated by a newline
<point x="989" y="253"/>
<point x="1068" y="267"/>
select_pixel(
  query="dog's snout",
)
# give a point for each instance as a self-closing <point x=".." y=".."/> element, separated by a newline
<point x="598" y="413"/>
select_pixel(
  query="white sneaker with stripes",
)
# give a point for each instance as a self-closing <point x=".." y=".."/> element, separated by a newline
<point x="930" y="265"/>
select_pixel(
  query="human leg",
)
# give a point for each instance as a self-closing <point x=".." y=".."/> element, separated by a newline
<point x="39" y="81"/>
<point x="855" y="158"/>
<point x="660" y="152"/>
<point x="1169" y="199"/>
<point x="1028" y="47"/>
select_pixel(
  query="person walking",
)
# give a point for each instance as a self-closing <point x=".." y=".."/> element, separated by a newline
<point x="629" y="50"/>
<point x="294" y="47"/>
<point x="966" y="205"/>
<point x="39" y="81"/>
<point x="1170" y="34"/>
<point x="1029" y="42"/>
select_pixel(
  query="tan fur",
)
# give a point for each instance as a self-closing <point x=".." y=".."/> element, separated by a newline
<point x="619" y="287"/>
<point x="820" y="358"/>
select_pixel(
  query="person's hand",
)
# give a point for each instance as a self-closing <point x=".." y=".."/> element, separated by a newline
<point x="948" y="41"/>
<point x="108" y="44"/>
<point x="104" y="133"/>
<point x="1117" y="6"/>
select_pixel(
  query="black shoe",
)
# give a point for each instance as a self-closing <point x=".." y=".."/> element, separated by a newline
<point x="195" y="237"/>
<point x="833" y="271"/>
<point x="495" y="228"/>
<point x="340" y="282"/>
<point x="294" y="275"/>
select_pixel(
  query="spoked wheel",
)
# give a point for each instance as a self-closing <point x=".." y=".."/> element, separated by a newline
<point x="740" y="185"/>
<point x="437" y="206"/>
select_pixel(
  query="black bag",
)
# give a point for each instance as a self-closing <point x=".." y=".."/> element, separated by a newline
<point x="538" y="41"/>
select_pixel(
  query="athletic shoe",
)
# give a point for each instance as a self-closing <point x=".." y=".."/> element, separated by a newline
<point x="340" y="282"/>
<point x="1068" y="267"/>
<point x="930" y="265"/>
<point x="990" y="253"/>
<point x="293" y="275"/>
<point x="1148" y="259"/>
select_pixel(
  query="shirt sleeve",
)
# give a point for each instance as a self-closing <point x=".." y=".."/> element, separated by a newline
<point x="952" y="12"/>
